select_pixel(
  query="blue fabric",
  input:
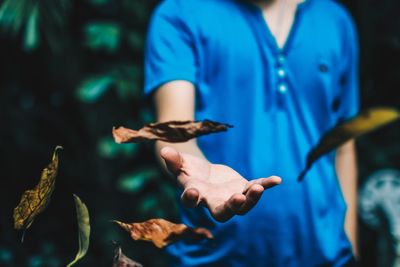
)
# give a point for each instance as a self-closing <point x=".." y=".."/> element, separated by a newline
<point x="280" y="101"/>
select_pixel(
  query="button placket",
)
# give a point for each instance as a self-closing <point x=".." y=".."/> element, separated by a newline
<point x="281" y="85"/>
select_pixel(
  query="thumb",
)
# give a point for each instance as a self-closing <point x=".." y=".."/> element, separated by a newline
<point x="172" y="159"/>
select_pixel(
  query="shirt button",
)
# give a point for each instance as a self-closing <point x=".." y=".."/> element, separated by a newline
<point x="281" y="73"/>
<point x="282" y="88"/>
<point x="281" y="59"/>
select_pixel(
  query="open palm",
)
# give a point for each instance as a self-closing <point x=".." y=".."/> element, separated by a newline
<point x="220" y="188"/>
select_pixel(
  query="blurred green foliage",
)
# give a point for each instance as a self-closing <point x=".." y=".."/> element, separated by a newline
<point x="70" y="71"/>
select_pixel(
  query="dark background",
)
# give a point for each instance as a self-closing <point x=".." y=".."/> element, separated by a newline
<point x="71" y="70"/>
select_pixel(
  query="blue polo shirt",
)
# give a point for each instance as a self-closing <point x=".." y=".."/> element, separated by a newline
<point x="280" y="101"/>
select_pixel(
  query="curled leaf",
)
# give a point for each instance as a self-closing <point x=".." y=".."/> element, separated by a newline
<point x="82" y="215"/>
<point x="120" y="260"/>
<point x="162" y="232"/>
<point x="365" y="122"/>
<point x="171" y="131"/>
<point x="34" y="202"/>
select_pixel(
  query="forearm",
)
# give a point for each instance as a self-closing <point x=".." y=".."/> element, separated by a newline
<point x="175" y="101"/>
<point x="346" y="168"/>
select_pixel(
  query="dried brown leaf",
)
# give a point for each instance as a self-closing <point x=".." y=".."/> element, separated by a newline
<point x="162" y="232"/>
<point x="171" y="131"/>
<point x="364" y="123"/>
<point x="34" y="201"/>
<point x="121" y="260"/>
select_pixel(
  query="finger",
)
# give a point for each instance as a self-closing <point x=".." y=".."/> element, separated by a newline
<point x="253" y="194"/>
<point x="172" y="159"/>
<point x="264" y="182"/>
<point x="190" y="198"/>
<point x="223" y="212"/>
<point x="226" y="209"/>
<point x="235" y="202"/>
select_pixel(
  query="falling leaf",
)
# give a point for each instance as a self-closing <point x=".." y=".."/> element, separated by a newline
<point x="33" y="202"/>
<point x="365" y="122"/>
<point x="171" y="131"/>
<point x="82" y="215"/>
<point x="162" y="232"/>
<point x="120" y="260"/>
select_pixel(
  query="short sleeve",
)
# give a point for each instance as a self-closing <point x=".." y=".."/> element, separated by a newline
<point x="348" y="80"/>
<point x="169" y="53"/>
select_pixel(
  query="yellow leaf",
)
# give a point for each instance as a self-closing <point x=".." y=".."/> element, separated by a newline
<point x="82" y="215"/>
<point x="33" y="202"/>
<point x="365" y="122"/>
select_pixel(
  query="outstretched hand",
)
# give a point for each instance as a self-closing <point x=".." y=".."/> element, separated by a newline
<point x="220" y="188"/>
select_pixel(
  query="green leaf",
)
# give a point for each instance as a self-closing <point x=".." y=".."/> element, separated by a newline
<point x="154" y="208"/>
<point x="135" y="182"/>
<point x="98" y="2"/>
<point x="136" y="41"/>
<point x="128" y="79"/>
<point x="135" y="9"/>
<point x="83" y="229"/>
<point x="6" y="255"/>
<point x="126" y="90"/>
<point x="149" y="205"/>
<point x="94" y="88"/>
<point x="35" y="261"/>
<point x="107" y="148"/>
<point x="127" y="150"/>
<point x="12" y="14"/>
<point x="31" y="37"/>
<point x="104" y="36"/>
<point x="146" y="116"/>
